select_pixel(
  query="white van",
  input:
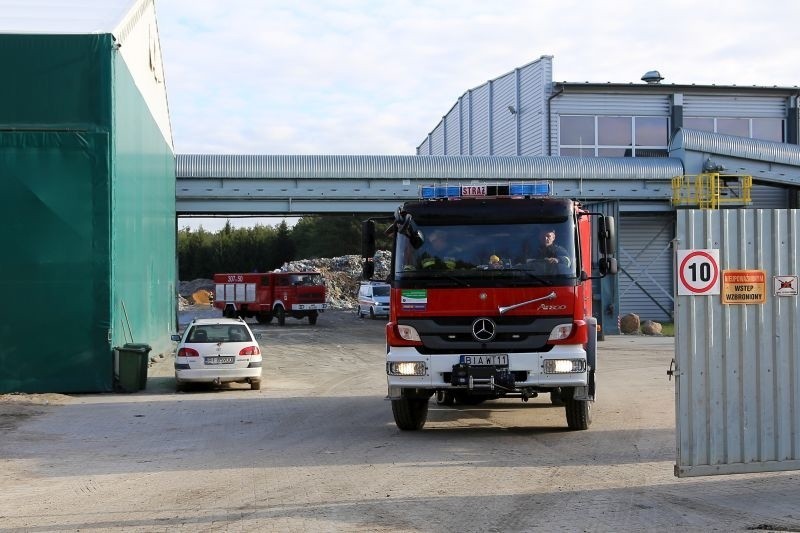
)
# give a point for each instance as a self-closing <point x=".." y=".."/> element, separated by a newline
<point x="373" y="299"/>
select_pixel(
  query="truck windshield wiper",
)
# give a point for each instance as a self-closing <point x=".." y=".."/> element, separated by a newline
<point x="529" y="274"/>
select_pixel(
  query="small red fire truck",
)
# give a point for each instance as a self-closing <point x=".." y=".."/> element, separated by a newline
<point x="265" y="295"/>
<point x="491" y="298"/>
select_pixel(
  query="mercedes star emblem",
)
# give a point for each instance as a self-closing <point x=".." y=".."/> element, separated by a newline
<point x="483" y="329"/>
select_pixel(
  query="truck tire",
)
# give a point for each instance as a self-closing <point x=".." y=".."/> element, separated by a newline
<point x="372" y="313"/>
<point x="312" y="317"/>
<point x="579" y="413"/>
<point x="280" y="314"/>
<point x="229" y="312"/>
<point x="264" y="318"/>
<point x="410" y="414"/>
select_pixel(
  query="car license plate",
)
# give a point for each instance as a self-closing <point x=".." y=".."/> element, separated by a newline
<point x="222" y="360"/>
<point x="493" y="359"/>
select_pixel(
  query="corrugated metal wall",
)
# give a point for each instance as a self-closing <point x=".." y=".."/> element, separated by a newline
<point x="535" y="89"/>
<point x="733" y="106"/>
<point x="481" y="123"/>
<point x="645" y="261"/>
<point x="738" y="366"/>
<point x="766" y="197"/>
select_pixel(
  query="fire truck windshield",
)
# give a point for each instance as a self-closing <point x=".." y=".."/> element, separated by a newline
<point x="306" y="279"/>
<point x="496" y="253"/>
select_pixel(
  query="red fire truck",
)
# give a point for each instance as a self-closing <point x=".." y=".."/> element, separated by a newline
<point x="265" y="295"/>
<point x="491" y="298"/>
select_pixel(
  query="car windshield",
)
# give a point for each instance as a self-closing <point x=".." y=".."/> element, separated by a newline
<point x="215" y="333"/>
<point x="496" y="254"/>
<point x="380" y="290"/>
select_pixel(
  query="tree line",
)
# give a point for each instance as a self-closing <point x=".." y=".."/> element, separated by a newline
<point x="201" y="253"/>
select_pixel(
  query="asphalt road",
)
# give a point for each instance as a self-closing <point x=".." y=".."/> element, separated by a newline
<point x="317" y="450"/>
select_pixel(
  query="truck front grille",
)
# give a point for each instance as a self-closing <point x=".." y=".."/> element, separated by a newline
<point x="513" y="334"/>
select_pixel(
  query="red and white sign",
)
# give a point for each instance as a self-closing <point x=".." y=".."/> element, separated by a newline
<point x="473" y="190"/>
<point x="698" y="272"/>
<point x="784" y="285"/>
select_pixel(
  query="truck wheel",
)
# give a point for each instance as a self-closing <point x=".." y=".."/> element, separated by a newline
<point x="312" y="318"/>
<point x="579" y="413"/>
<point x="372" y="313"/>
<point x="410" y="414"/>
<point x="264" y="318"/>
<point x="229" y="312"/>
<point x="281" y="316"/>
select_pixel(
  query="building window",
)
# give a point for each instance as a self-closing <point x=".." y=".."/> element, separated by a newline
<point x="613" y="136"/>
<point x="765" y="129"/>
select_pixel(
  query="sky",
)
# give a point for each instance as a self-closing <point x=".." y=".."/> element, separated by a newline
<point x="375" y="77"/>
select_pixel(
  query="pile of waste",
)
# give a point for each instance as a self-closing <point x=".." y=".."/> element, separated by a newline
<point x="341" y="274"/>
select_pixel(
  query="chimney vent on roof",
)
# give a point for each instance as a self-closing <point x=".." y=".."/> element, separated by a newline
<point x="652" y="77"/>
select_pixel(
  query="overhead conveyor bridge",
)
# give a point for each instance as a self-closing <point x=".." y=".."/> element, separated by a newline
<point x="339" y="184"/>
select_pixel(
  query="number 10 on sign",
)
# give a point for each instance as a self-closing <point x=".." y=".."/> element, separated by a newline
<point x="698" y="272"/>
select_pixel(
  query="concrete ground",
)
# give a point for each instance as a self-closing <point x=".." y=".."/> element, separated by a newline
<point x="317" y="450"/>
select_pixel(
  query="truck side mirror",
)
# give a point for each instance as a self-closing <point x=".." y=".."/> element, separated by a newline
<point x="368" y="269"/>
<point x="368" y="239"/>
<point x="607" y="265"/>
<point x="607" y="235"/>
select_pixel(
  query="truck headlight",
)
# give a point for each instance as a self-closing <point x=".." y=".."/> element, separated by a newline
<point x="406" y="368"/>
<point x="564" y="366"/>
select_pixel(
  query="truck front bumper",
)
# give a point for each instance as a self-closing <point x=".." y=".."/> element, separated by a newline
<point x="527" y="369"/>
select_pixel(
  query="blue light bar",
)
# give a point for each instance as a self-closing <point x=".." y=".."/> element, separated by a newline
<point x="543" y="188"/>
<point x="473" y="190"/>
<point x="440" y="191"/>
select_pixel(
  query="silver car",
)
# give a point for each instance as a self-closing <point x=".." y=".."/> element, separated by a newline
<point x="217" y="350"/>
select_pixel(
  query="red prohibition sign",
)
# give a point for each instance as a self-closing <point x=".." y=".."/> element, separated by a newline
<point x="713" y="278"/>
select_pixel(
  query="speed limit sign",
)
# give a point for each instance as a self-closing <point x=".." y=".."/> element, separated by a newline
<point x="698" y="272"/>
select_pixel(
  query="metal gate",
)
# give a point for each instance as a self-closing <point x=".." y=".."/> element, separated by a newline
<point x="737" y="341"/>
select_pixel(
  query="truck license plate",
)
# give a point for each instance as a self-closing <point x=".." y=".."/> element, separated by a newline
<point x="223" y="360"/>
<point x="494" y="359"/>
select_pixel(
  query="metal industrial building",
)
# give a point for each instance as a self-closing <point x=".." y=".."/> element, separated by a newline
<point x="88" y="175"/>
<point x="614" y="146"/>
<point x="737" y="130"/>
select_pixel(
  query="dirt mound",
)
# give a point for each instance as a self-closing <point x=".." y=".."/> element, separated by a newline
<point x="203" y="296"/>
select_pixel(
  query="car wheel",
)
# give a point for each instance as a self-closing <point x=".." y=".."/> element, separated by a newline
<point x="180" y="386"/>
<point x="255" y="384"/>
<point x="372" y="313"/>
<point x="359" y="313"/>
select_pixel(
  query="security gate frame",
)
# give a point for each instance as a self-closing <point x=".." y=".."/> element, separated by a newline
<point x="737" y="373"/>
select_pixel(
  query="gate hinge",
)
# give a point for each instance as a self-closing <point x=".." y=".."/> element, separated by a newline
<point x="671" y="371"/>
